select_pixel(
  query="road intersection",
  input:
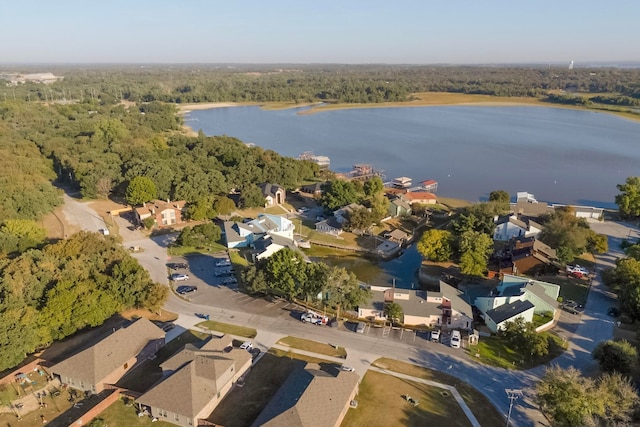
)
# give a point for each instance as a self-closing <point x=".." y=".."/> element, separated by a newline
<point x="363" y="349"/>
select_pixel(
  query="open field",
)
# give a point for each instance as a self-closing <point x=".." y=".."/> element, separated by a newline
<point x="484" y="411"/>
<point x="381" y="403"/>
<point x="497" y="351"/>
<point x="121" y="414"/>
<point x="313" y="346"/>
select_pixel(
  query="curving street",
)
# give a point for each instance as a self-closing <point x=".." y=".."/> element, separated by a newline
<point x="276" y="319"/>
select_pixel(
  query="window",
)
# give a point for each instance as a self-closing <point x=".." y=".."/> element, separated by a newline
<point x="177" y="417"/>
<point x="126" y="365"/>
<point x="81" y="384"/>
<point x="189" y="421"/>
<point x="163" y="413"/>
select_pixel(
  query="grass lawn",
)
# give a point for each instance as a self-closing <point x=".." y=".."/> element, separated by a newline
<point x="484" y="411"/>
<point x="186" y="250"/>
<point x="570" y="288"/>
<point x="119" y="414"/>
<point x="452" y="203"/>
<point x="237" y="259"/>
<point x="227" y="328"/>
<point x="243" y="405"/>
<point x="437" y="407"/>
<point x="496" y="351"/>
<point x="313" y="346"/>
<point x="56" y="406"/>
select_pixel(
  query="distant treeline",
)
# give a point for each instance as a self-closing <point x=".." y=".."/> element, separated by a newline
<point x="329" y="83"/>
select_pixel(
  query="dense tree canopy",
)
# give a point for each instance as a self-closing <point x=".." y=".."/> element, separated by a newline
<point x="628" y="200"/>
<point x="475" y="248"/>
<point x="624" y="279"/>
<point x="48" y="294"/>
<point x="616" y="356"/>
<point x="435" y="245"/>
<point x="568" y="234"/>
<point x="141" y="190"/>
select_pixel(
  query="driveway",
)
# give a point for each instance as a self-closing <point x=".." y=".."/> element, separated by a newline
<point x="275" y="318"/>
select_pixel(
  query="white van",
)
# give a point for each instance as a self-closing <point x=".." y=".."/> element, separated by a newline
<point x="455" y="339"/>
<point x="360" y="328"/>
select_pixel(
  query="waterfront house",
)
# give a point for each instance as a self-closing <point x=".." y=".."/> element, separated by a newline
<point x="342" y="215"/>
<point x="402" y="183"/>
<point x="194" y="381"/>
<point x="315" y="188"/>
<point x="164" y="213"/>
<point x="398" y="207"/>
<point x="107" y="361"/>
<point x="429" y="185"/>
<point x="244" y="234"/>
<point x="273" y="194"/>
<point x="497" y="317"/>
<point x="512" y="225"/>
<point x="329" y="226"/>
<point x="420" y="197"/>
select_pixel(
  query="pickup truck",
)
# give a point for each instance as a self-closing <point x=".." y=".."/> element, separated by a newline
<point x="314" y="319"/>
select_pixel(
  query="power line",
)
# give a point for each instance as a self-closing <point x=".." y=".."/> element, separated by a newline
<point x="513" y="395"/>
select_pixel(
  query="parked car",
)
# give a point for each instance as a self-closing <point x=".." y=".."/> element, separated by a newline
<point x="247" y="345"/>
<point x="435" y="335"/>
<point x="255" y="352"/>
<point x="314" y="319"/>
<point x="177" y="265"/>
<point x="223" y="263"/>
<point x="455" y="339"/>
<point x="179" y="277"/>
<point x="303" y="209"/>
<point x="183" y="290"/>
<point x="360" y="327"/>
<point x="347" y="368"/>
<point x="577" y="270"/>
<point x="230" y="281"/>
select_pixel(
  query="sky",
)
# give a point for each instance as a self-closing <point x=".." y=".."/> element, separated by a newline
<point x="321" y="31"/>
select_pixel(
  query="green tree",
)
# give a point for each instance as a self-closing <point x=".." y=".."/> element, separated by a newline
<point x="499" y="196"/>
<point x="619" y="396"/>
<point x="200" y="235"/>
<point x="285" y="272"/>
<point x="373" y="187"/>
<point x="360" y="219"/>
<point x="633" y="251"/>
<point x="394" y="312"/>
<point x="343" y="290"/>
<point x="475" y="248"/>
<point x="524" y="338"/>
<point x="201" y="209"/>
<point x="435" y="245"/>
<point x="628" y="200"/>
<point x="224" y="205"/>
<point x="339" y="193"/>
<point x="140" y="190"/>
<point x="567" y="397"/>
<point x="18" y="235"/>
<point x="624" y="279"/>
<point x="255" y="280"/>
<point x="598" y="243"/>
<point x="616" y="356"/>
<point x="251" y="197"/>
<point x="566" y="233"/>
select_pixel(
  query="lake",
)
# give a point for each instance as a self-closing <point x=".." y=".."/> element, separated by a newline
<point x="560" y="155"/>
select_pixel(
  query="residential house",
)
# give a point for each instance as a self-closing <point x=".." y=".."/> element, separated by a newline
<point x="542" y="295"/>
<point x="268" y="245"/>
<point x="194" y="381"/>
<point x="527" y="255"/>
<point x="163" y="212"/>
<point x="512" y="225"/>
<point x="497" y="317"/>
<point x="588" y="212"/>
<point x="398" y="236"/>
<point x="111" y="358"/>
<point x="273" y="194"/>
<point x="445" y="307"/>
<point x="311" y="397"/>
<point x="420" y="197"/>
<point x="244" y="234"/>
<point x="398" y="207"/>
<point x="342" y="215"/>
<point x="329" y="226"/>
<point x="315" y="188"/>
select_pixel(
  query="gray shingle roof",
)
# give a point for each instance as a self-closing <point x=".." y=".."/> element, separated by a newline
<point x="98" y="361"/>
<point x="508" y="311"/>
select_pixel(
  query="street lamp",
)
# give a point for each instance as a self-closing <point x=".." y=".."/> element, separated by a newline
<point x="512" y="394"/>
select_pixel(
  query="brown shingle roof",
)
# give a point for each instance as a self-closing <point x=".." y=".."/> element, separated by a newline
<point x="309" y="398"/>
<point x="98" y="361"/>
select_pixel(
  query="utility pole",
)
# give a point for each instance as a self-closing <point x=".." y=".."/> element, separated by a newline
<point x="513" y="395"/>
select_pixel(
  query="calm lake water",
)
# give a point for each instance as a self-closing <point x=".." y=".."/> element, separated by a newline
<point x="560" y="155"/>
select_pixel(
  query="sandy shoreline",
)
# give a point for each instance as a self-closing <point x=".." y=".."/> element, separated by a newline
<point x="185" y="108"/>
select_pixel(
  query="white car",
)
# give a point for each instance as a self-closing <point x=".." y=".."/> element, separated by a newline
<point x="247" y="345"/>
<point x="577" y="269"/>
<point x="455" y="339"/>
<point x="179" y="277"/>
<point x="435" y="335"/>
<point x="347" y="368"/>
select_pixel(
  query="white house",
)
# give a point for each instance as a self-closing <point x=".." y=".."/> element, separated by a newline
<point x="541" y="295"/>
<point x="510" y="226"/>
<point x="497" y="317"/>
<point x="242" y="235"/>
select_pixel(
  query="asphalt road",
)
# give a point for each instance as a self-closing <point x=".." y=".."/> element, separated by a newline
<point x="274" y="319"/>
